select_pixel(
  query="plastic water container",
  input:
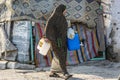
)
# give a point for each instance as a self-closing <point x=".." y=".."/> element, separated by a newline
<point x="43" y="47"/>
<point x="73" y="44"/>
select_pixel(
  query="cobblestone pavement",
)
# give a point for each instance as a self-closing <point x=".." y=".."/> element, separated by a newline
<point x="86" y="71"/>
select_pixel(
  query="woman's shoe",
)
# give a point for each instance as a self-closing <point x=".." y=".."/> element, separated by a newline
<point x="54" y="75"/>
<point x="67" y="76"/>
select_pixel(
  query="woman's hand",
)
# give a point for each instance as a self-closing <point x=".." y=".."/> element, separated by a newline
<point x="46" y="40"/>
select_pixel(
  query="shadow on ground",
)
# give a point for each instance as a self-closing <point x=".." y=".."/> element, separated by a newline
<point x="73" y="78"/>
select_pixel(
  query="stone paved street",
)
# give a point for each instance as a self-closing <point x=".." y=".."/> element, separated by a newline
<point x="101" y="70"/>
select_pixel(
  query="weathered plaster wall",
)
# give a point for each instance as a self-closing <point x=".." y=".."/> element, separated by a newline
<point x="112" y="24"/>
<point x="116" y="26"/>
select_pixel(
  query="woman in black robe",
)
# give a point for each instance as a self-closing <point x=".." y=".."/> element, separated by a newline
<point x="56" y="32"/>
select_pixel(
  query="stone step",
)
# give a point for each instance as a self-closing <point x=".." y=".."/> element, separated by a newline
<point x="3" y="64"/>
<point x="16" y="65"/>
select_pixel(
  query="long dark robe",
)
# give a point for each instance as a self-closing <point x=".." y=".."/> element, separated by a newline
<point x="56" y="29"/>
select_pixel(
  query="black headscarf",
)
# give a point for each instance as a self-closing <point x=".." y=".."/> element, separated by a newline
<point x="57" y="24"/>
<point x="60" y="9"/>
